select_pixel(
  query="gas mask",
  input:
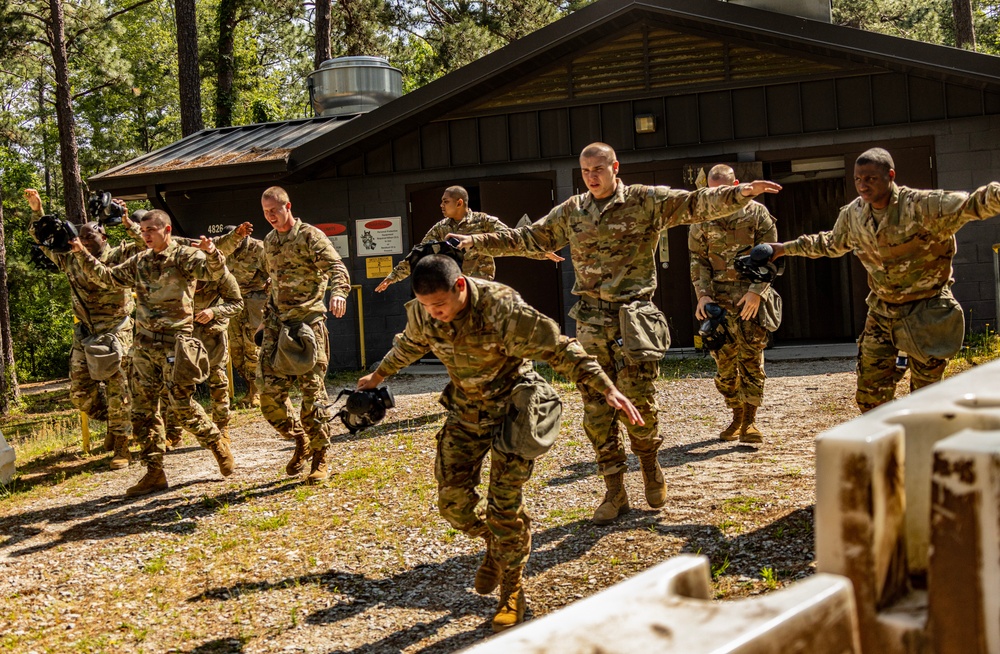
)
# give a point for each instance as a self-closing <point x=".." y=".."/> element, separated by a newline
<point x="55" y="233"/>
<point x="364" y="409"/>
<point x="448" y="248"/>
<point x="757" y="266"/>
<point x="103" y="210"/>
<point x="713" y="329"/>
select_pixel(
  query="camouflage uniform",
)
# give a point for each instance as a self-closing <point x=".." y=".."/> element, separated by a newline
<point x="907" y="250"/>
<point x="99" y="308"/>
<point x="476" y="264"/>
<point x="223" y="298"/>
<point x="246" y="262"/>
<point x="164" y="284"/>
<point x="486" y="350"/>
<point x="613" y="256"/>
<point x="300" y="264"/>
<point x="714" y="247"/>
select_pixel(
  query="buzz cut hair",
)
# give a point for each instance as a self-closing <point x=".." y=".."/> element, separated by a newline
<point x="878" y="156"/>
<point x="598" y="149"/>
<point x="722" y="174"/>
<point x="160" y="217"/>
<point x="433" y="274"/>
<point x="276" y="193"/>
<point x="457" y="193"/>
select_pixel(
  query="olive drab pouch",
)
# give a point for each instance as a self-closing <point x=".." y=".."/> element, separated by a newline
<point x="933" y="328"/>
<point x="533" y="416"/>
<point x="645" y="334"/>
<point x="190" y="360"/>
<point x="769" y="312"/>
<point x="104" y="354"/>
<point x="296" y="351"/>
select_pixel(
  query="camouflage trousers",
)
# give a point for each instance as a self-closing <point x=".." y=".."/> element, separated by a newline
<point x="242" y="349"/>
<point x="152" y="371"/>
<point x="84" y="392"/>
<point x="740" y="362"/>
<point x="877" y="372"/>
<point x="461" y="448"/>
<point x="218" y="382"/>
<point x="635" y="381"/>
<point x="316" y="415"/>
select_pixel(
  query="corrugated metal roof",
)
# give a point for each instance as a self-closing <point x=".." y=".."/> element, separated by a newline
<point x="227" y="146"/>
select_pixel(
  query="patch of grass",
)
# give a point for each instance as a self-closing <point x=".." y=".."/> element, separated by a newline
<point x="742" y="504"/>
<point x="687" y="367"/>
<point x="571" y="514"/>
<point x="719" y="569"/>
<point x="268" y="523"/>
<point x="770" y="577"/>
<point x="156" y="565"/>
<point x="728" y="524"/>
<point x="978" y="348"/>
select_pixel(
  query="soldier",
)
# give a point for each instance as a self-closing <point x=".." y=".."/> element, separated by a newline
<point x="613" y="231"/>
<point x="905" y="238"/>
<point x="215" y="302"/>
<point x="99" y="309"/>
<point x="164" y="277"/>
<point x="300" y="262"/>
<point x="458" y="218"/>
<point x="740" y="361"/>
<point x="484" y="332"/>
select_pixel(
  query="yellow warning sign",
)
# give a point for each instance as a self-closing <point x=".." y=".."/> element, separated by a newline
<point x="378" y="267"/>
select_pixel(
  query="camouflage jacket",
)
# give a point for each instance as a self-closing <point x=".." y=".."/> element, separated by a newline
<point x="476" y="263"/>
<point x="164" y="283"/>
<point x="223" y="297"/>
<point x="485" y="346"/>
<point x="613" y="251"/>
<point x="908" y="254"/>
<point x="715" y="245"/>
<point x="245" y="259"/>
<point x="300" y="263"/>
<point x="98" y="306"/>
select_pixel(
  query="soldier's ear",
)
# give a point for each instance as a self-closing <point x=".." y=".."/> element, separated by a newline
<point x="460" y="284"/>
<point x="892" y="174"/>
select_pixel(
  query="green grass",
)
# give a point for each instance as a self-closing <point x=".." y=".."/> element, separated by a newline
<point x="742" y="504"/>
<point x="687" y="367"/>
<point x="770" y="577"/>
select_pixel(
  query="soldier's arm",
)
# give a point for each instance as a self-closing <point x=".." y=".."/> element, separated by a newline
<point x="124" y="275"/>
<point x="549" y="234"/>
<point x="327" y="260"/>
<point x="35" y="202"/>
<point x="408" y="346"/>
<point x="701" y="267"/>
<point x="205" y="262"/>
<point x="670" y="207"/>
<point x="232" y="300"/>
<point x="833" y="243"/>
<point x="949" y="210"/>
<point x="437" y="232"/>
<point x="494" y="225"/>
<point x="227" y="243"/>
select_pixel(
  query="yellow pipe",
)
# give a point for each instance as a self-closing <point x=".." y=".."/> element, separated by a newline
<point x="361" y="327"/>
<point x="229" y="371"/>
<point x="85" y="428"/>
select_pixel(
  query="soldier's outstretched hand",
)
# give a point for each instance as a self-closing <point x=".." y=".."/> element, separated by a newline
<point x="384" y="284"/>
<point x="552" y="256"/>
<point x="245" y="229"/>
<point x="616" y="400"/>
<point x="34" y="200"/>
<point x="338" y="306"/>
<point x="779" y="251"/>
<point x="206" y="244"/>
<point x="464" y="240"/>
<point x="755" y="188"/>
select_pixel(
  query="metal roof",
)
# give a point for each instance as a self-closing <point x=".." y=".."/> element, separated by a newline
<point x="294" y="148"/>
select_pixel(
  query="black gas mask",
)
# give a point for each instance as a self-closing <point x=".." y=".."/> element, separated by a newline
<point x="54" y="233"/>
<point x="364" y="408"/>
<point x="713" y="329"/>
<point x="757" y="266"/>
<point x="103" y="210"/>
<point x="448" y="248"/>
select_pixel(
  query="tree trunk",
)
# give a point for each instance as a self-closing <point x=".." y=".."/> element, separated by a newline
<point x="965" y="31"/>
<point x="225" y="98"/>
<point x="324" y="9"/>
<point x="68" y="152"/>
<point x="10" y="392"/>
<point x="188" y="76"/>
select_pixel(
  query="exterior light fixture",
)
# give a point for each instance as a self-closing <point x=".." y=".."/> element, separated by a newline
<point x="645" y="124"/>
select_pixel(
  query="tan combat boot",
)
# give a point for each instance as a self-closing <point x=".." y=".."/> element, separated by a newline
<point x="615" y="500"/>
<point x="224" y="432"/>
<point x="732" y="432"/>
<point x="318" y="470"/>
<point x="220" y="449"/>
<point x="510" y="610"/>
<point x="489" y="572"/>
<point x="109" y="440"/>
<point x="252" y="398"/>
<point x="154" y="480"/>
<point x="748" y="430"/>
<point x="122" y="458"/>
<point x="298" y="460"/>
<point x="652" y="479"/>
<point x="174" y="441"/>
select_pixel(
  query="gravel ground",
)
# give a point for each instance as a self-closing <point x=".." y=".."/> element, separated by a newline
<point x="363" y="563"/>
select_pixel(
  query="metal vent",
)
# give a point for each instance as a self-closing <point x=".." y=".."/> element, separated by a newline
<point x="353" y="85"/>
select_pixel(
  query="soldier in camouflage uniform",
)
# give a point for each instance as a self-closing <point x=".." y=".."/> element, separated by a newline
<point x="163" y="277"/>
<point x="215" y="302"/>
<point x="300" y="262"/>
<point x="613" y="231"/>
<point x="905" y="238"/>
<point x="246" y="262"/>
<point x="460" y="220"/>
<point x="484" y="333"/>
<point x="740" y="362"/>
<point x="98" y="309"/>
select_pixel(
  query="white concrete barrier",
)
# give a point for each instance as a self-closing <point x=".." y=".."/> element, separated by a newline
<point x="668" y="609"/>
<point x="7" y="458"/>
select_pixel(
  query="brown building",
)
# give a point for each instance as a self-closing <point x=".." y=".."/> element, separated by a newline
<point x="674" y="86"/>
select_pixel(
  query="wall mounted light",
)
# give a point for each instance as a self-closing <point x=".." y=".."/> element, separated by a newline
<point x="645" y="124"/>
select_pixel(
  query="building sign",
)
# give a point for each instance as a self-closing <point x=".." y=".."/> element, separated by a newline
<point x="337" y="232"/>
<point x="378" y="236"/>
<point x="378" y="267"/>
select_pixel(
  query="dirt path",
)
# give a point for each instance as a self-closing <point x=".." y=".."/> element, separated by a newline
<point x="261" y="563"/>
